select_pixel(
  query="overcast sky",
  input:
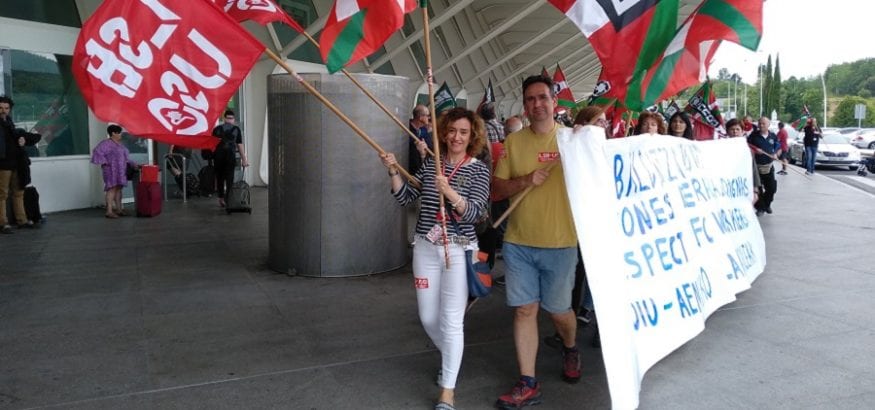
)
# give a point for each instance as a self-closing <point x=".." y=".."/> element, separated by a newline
<point x="809" y="35"/>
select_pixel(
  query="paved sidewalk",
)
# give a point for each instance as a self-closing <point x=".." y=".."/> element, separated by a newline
<point x="180" y="312"/>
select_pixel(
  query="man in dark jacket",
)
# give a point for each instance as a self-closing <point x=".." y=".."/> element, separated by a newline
<point x="766" y="149"/>
<point x="225" y="155"/>
<point x="11" y="154"/>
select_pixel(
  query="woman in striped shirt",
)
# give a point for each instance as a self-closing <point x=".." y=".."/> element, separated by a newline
<point x="441" y="290"/>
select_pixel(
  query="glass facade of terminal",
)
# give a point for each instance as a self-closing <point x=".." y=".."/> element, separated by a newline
<point x="47" y="100"/>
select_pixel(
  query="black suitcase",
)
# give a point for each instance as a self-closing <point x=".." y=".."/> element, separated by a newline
<point x="237" y="197"/>
<point x="207" y="180"/>
<point x="192" y="185"/>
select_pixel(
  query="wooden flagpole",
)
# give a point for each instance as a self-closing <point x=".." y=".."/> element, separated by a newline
<point x="372" y="97"/>
<point x="519" y="198"/>
<point x="435" y="137"/>
<point x="340" y="114"/>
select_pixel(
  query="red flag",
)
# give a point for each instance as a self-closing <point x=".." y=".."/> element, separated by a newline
<point x="705" y="112"/>
<point x="628" y="37"/>
<point x="260" y="11"/>
<point x="357" y="28"/>
<point x="685" y="60"/>
<point x="563" y="93"/>
<point x="162" y="69"/>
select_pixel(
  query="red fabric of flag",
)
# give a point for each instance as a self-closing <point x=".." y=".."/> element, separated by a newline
<point x="162" y="69"/>
<point x="260" y="11"/>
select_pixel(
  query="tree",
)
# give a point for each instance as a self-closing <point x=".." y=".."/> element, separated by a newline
<point x="775" y="87"/>
<point x="868" y="85"/>
<point x="844" y="114"/>
<point x="791" y="99"/>
<point x="723" y="74"/>
<point x="767" y="87"/>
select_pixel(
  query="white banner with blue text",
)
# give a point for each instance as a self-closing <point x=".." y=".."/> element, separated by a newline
<point x="668" y="234"/>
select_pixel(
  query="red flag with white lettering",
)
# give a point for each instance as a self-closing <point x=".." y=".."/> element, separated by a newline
<point x="260" y="11"/>
<point x="162" y="69"/>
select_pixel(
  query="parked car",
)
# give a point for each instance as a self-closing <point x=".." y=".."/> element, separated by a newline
<point x="863" y="138"/>
<point x="833" y="150"/>
<point x="848" y="130"/>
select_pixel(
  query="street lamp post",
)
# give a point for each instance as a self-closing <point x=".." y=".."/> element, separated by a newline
<point x="823" y="82"/>
<point x="760" y="75"/>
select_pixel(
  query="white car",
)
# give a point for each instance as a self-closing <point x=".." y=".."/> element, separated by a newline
<point x="833" y="150"/>
<point x="864" y="138"/>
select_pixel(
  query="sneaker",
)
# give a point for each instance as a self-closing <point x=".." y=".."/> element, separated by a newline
<point x="584" y="316"/>
<point x="554" y="341"/>
<point x="6" y="229"/>
<point x="520" y="396"/>
<point x="768" y="210"/>
<point x="500" y="281"/>
<point x="570" y="365"/>
<point x="760" y="212"/>
<point x="27" y="225"/>
<point x="782" y="172"/>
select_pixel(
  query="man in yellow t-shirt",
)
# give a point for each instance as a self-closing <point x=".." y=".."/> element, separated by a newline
<point x="540" y="245"/>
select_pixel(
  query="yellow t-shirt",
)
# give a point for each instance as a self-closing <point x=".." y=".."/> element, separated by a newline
<point x="543" y="218"/>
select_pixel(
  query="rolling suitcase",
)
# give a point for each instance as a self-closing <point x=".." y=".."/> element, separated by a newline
<point x="237" y="198"/>
<point x="148" y="199"/>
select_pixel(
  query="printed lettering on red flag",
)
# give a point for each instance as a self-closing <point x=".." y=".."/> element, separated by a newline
<point x="260" y="11"/>
<point x="162" y="68"/>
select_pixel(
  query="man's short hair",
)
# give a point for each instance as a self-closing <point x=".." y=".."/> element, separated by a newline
<point x="539" y="79"/>
<point x="780" y="124"/>
<point x="113" y="129"/>
<point x="7" y="100"/>
<point x="732" y="123"/>
<point x="229" y="112"/>
<point x="419" y="110"/>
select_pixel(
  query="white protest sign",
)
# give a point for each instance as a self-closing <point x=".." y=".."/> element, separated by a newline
<point x="668" y="234"/>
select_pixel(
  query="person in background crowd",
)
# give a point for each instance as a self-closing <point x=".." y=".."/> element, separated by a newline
<point x="734" y="130"/>
<point x="813" y="135"/>
<point x="540" y="246"/>
<point x="13" y="159"/>
<point x="112" y="156"/>
<point x="766" y="148"/>
<point x="225" y="154"/>
<point x="748" y="126"/>
<point x="650" y="123"/>
<point x="785" y="151"/>
<point x="419" y="126"/>
<point x="679" y="125"/>
<point x="512" y="125"/>
<point x="494" y="129"/>
<point x="441" y="290"/>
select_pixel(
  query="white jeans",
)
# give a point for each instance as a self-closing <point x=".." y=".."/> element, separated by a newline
<point x="442" y="295"/>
